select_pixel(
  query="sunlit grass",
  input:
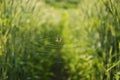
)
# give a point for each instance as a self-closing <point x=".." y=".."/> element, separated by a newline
<point x="67" y="41"/>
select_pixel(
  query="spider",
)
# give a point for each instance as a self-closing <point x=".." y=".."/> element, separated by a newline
<point x="58" y="39"/>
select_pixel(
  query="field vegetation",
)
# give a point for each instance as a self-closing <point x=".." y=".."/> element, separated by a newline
<point x="59" y="40"/>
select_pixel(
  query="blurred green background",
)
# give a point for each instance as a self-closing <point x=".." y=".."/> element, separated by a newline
<point x="59" y="40"/>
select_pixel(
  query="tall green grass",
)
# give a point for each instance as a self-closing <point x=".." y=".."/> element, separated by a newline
<point x="109" y="38"/>
<point x="89" y="40"/>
